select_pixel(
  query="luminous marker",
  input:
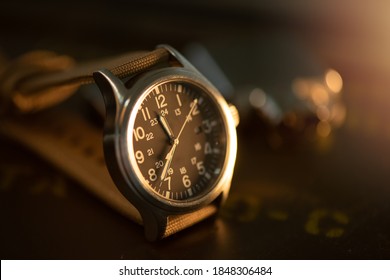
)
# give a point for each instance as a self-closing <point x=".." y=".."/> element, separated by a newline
<point x="157" y="90"/>
<point x="189" y="192"/>
<point x="167" y="194"/>
<point x="213" y="123"/>
<point x="217" y="170"/>
<point x="216" y="151"/>
<point x="207" y="175"/>
<point x="200" y="101"/>
<point x="179" y="88"/>
<point x="198" y="146"/>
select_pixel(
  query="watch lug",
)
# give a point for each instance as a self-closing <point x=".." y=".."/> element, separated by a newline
<point x="179" y="58"/>
<point x="154" y="225"/>
<point x="225" y="193"/>
<point x="111" y="88"/>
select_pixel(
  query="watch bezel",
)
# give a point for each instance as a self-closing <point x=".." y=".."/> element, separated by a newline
<point x="125" y="124"/>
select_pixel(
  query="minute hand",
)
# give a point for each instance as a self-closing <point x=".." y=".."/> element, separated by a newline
<point x="188" y="118"/>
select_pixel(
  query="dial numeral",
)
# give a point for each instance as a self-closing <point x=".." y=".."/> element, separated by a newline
<point x="206" y="126"/>
<point x="186" y="181"/>
<point x="164" y="112"/>
<point x="150" y="152"/>
<point x="145" y="113"/>
<point x="207" y="148"/>
<point x="139" y="133"/>
<point x="177" y="112"/>
<point x="168" y="179"/>
<point x="195" y="111"/>
<point x="159" y="164"/>
<point x="139" y="156"/>
<point x="178" y="99"/>
<point x="153" y="122"/>
<point x="149" y="136"/>
<point x="183" y="170"/>
<point x="152" y="174"/>
<point x="160" y="100"/>
<point x="201" y="168"/>
<point x="193" y="160"/>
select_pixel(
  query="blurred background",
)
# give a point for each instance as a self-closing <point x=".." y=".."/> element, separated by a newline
<point x="311" y="82"/>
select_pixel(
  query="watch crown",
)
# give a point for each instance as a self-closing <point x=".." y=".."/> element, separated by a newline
<point x="235" y="114"/>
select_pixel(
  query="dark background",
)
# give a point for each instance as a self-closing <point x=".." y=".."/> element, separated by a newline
<point x="301" y="196"/>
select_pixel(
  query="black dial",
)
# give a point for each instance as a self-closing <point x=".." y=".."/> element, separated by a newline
<point x="179" y="141"/>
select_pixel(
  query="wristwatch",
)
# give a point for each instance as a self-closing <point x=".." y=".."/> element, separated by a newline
<point x="169" y="136"/>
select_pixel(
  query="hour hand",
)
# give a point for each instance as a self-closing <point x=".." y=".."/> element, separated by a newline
<point x="167" y="128"/>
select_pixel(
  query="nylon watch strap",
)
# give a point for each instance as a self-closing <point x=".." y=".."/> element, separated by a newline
<point x="40" y="80"/>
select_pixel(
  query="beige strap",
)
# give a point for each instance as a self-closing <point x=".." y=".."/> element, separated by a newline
<point x="41" y="79"/>
<point x="76" y="148"/>
<point x="176" y="223"/>
<point x="72" y="144"/>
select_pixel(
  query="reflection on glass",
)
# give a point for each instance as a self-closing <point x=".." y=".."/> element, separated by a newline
<point x="319" y="94"/>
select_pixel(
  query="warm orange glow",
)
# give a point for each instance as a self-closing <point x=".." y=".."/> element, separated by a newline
<point x="301" y="88"/>
<point x="322" y="95"/>
<point x="323" y="113"/>
<point x="319" y="94"/>
<point x="323" y="129"/>
<point x="338" y="114"/>
<point x="334" y="81"/>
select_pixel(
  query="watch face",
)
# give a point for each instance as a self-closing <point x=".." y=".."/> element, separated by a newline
<point x="178" y="141"/>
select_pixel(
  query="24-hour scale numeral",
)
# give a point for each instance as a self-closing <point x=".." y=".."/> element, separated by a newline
<point x="153" y="122"/>
<point x="150" y="152"/>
